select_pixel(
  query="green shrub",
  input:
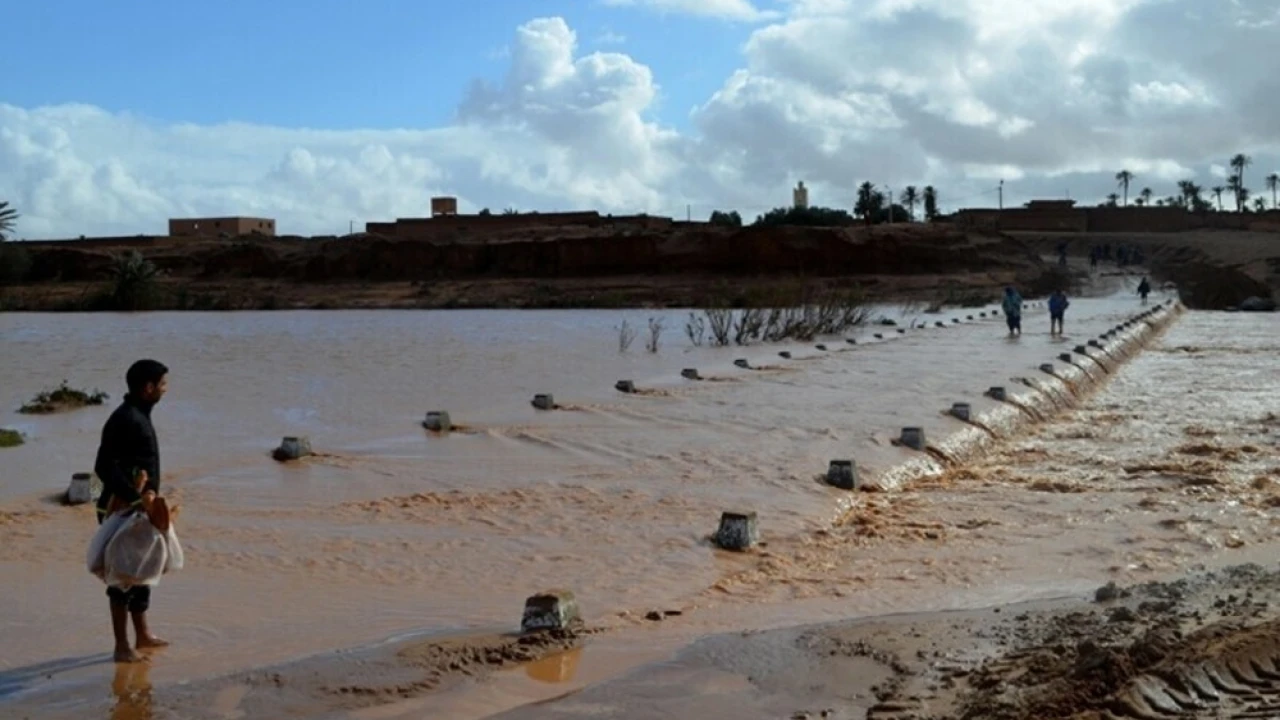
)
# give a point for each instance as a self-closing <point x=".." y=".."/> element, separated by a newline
<point x="63" y="397"/>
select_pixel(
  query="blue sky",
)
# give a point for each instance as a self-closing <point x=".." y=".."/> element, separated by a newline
<point x="117" y="116"/>
<point x="330" y="64"/>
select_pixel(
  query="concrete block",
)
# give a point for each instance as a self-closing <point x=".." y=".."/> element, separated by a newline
<point x="1080" y="350"/>
<point x="962" y="410"/>
<point x="544" y="401"/>
<point x="551" y="610"/>
<point x="1095" y="343"/>
<point x="968" y="317"/>
<point x="438" y="421"/>
<point x="997" y="392"/>
<point x="293" y="448"/>
<point x="878" y="336"/>
<point x="81" y="489"/>
<point x="912" y="437"/>
<point x="982" y="314"/>
<point x="843" y="474"/>
<point x="942" y="324"/>
<point x="742" y="363"/>
<point x="1047" y="368"/>
<point x="1065" y="357"/>
<point x="820" y="346"/>
<point x="851" y="341"/>
<point x="785" y="354"/>
<point x="625" y="386"/>
<point x="690" y="374"/>
<point x="902" y="331"/>
<point x="737" y="531"/>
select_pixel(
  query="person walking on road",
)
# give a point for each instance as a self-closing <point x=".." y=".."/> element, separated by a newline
<point x="128" y="463"/>
<point x="1058" y="305"/>
<point x="1144" y="289"/>
<point x="1012" y="307"/>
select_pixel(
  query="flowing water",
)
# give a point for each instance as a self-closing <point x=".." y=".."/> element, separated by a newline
<point x="393" y="528"/>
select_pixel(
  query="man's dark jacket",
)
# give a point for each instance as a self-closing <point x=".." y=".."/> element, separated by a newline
<point x="128" y="445"/>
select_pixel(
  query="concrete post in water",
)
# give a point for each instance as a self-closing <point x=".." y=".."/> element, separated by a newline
<point x="293" y="448"/>
<point x="1080" y="350"/>
<point x="1065" y="357"/>
<point x="955" y="321"/>
<point x="902" y="331"/>
<point x="438" y="421"/>
<point x="942" y="324"/>
<point x="690" y="374"/>
<point x="912" y="437"/>
<point x="785" y="354"/>
<point x="820" y="346"/>
<point x="982" y="314"/>
<point x="962" y="411"/>
<point x="737" y="531"/>
<point x="551" y="610"/>
<point x="544" y="401"/>
<point x="81" y="489"/>
<point x="851" y="341"/>
<point x="878" y="336"/>
<point x="1095" y="343"/>
<point x="842" y="474"/>
<point x="625" y="386"/>
<point x="742" y="363"/>
<point x="1047" y="368"/>
<point x="997" y="392"/>
<point x="968" y="317"/>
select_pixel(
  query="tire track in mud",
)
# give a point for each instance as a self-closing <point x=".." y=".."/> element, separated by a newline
<point x="1203" y="648"/>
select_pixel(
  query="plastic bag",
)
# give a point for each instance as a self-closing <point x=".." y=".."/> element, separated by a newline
<point x="136" y="554"/>
<point x="176" y="557"/>
<point x="95" y="558"/>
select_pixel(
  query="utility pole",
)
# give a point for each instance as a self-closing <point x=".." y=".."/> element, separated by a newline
<point x="688" y="213"/>
<point x="889" y="188"/>
<point x="1001" y="189"/>
<point x="351" y="227"/>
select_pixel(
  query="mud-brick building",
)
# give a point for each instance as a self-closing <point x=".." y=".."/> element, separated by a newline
<point x="221" y="226"/>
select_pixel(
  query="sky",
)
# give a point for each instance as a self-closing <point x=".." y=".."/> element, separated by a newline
<point x="325" y="113"/>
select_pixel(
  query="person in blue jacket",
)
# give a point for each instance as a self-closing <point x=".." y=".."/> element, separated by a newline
<point x="1058" y="305"/>
<point x="1012" y="307"/>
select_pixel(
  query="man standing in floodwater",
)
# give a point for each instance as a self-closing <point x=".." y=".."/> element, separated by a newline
<point x="1058" y="305"/>
<point x="1144" y="289"/>
<point x="129" y="465"/>
<point x="1012" y="307"/>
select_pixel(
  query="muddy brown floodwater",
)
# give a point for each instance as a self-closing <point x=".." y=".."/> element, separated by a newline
<point x="396" y="529"/>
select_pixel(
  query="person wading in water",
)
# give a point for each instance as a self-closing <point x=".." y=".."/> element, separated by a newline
<point x="128" y="464"/>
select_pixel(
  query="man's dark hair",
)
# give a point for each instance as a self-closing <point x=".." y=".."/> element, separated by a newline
<point x="143" y="372"/>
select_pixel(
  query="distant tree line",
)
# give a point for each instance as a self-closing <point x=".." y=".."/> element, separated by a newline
<point x="871" y="207"/>
<point x="1193" y="197"/>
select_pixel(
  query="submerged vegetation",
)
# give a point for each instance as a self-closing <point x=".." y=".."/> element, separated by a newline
<point x="784" y="316"/>
<point x="62" y="398"/>
<point x="10" y="438"/>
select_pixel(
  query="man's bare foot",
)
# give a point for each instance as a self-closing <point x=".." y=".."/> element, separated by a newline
<point x="127" y="655"/>
<point x="151" y="641"/>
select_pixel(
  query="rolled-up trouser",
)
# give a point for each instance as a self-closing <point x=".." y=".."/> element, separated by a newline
<point x="1014" y="321"/>
<point x="136" y="599"/>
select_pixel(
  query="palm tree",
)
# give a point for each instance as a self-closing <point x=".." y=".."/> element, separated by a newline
<point x="1123" y="178"/>
<point x="1260" y="204"/>
<point x="930" y="203"/>
<point x="869" y="203"/>
<point x="1239" y="163"/>
<point x="8" y="216"/>
<point x="1217" y="192"/>
<point x="1273" y="183"/>
<point x="1146" y="195"/>
<point x="910" y="196"/>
